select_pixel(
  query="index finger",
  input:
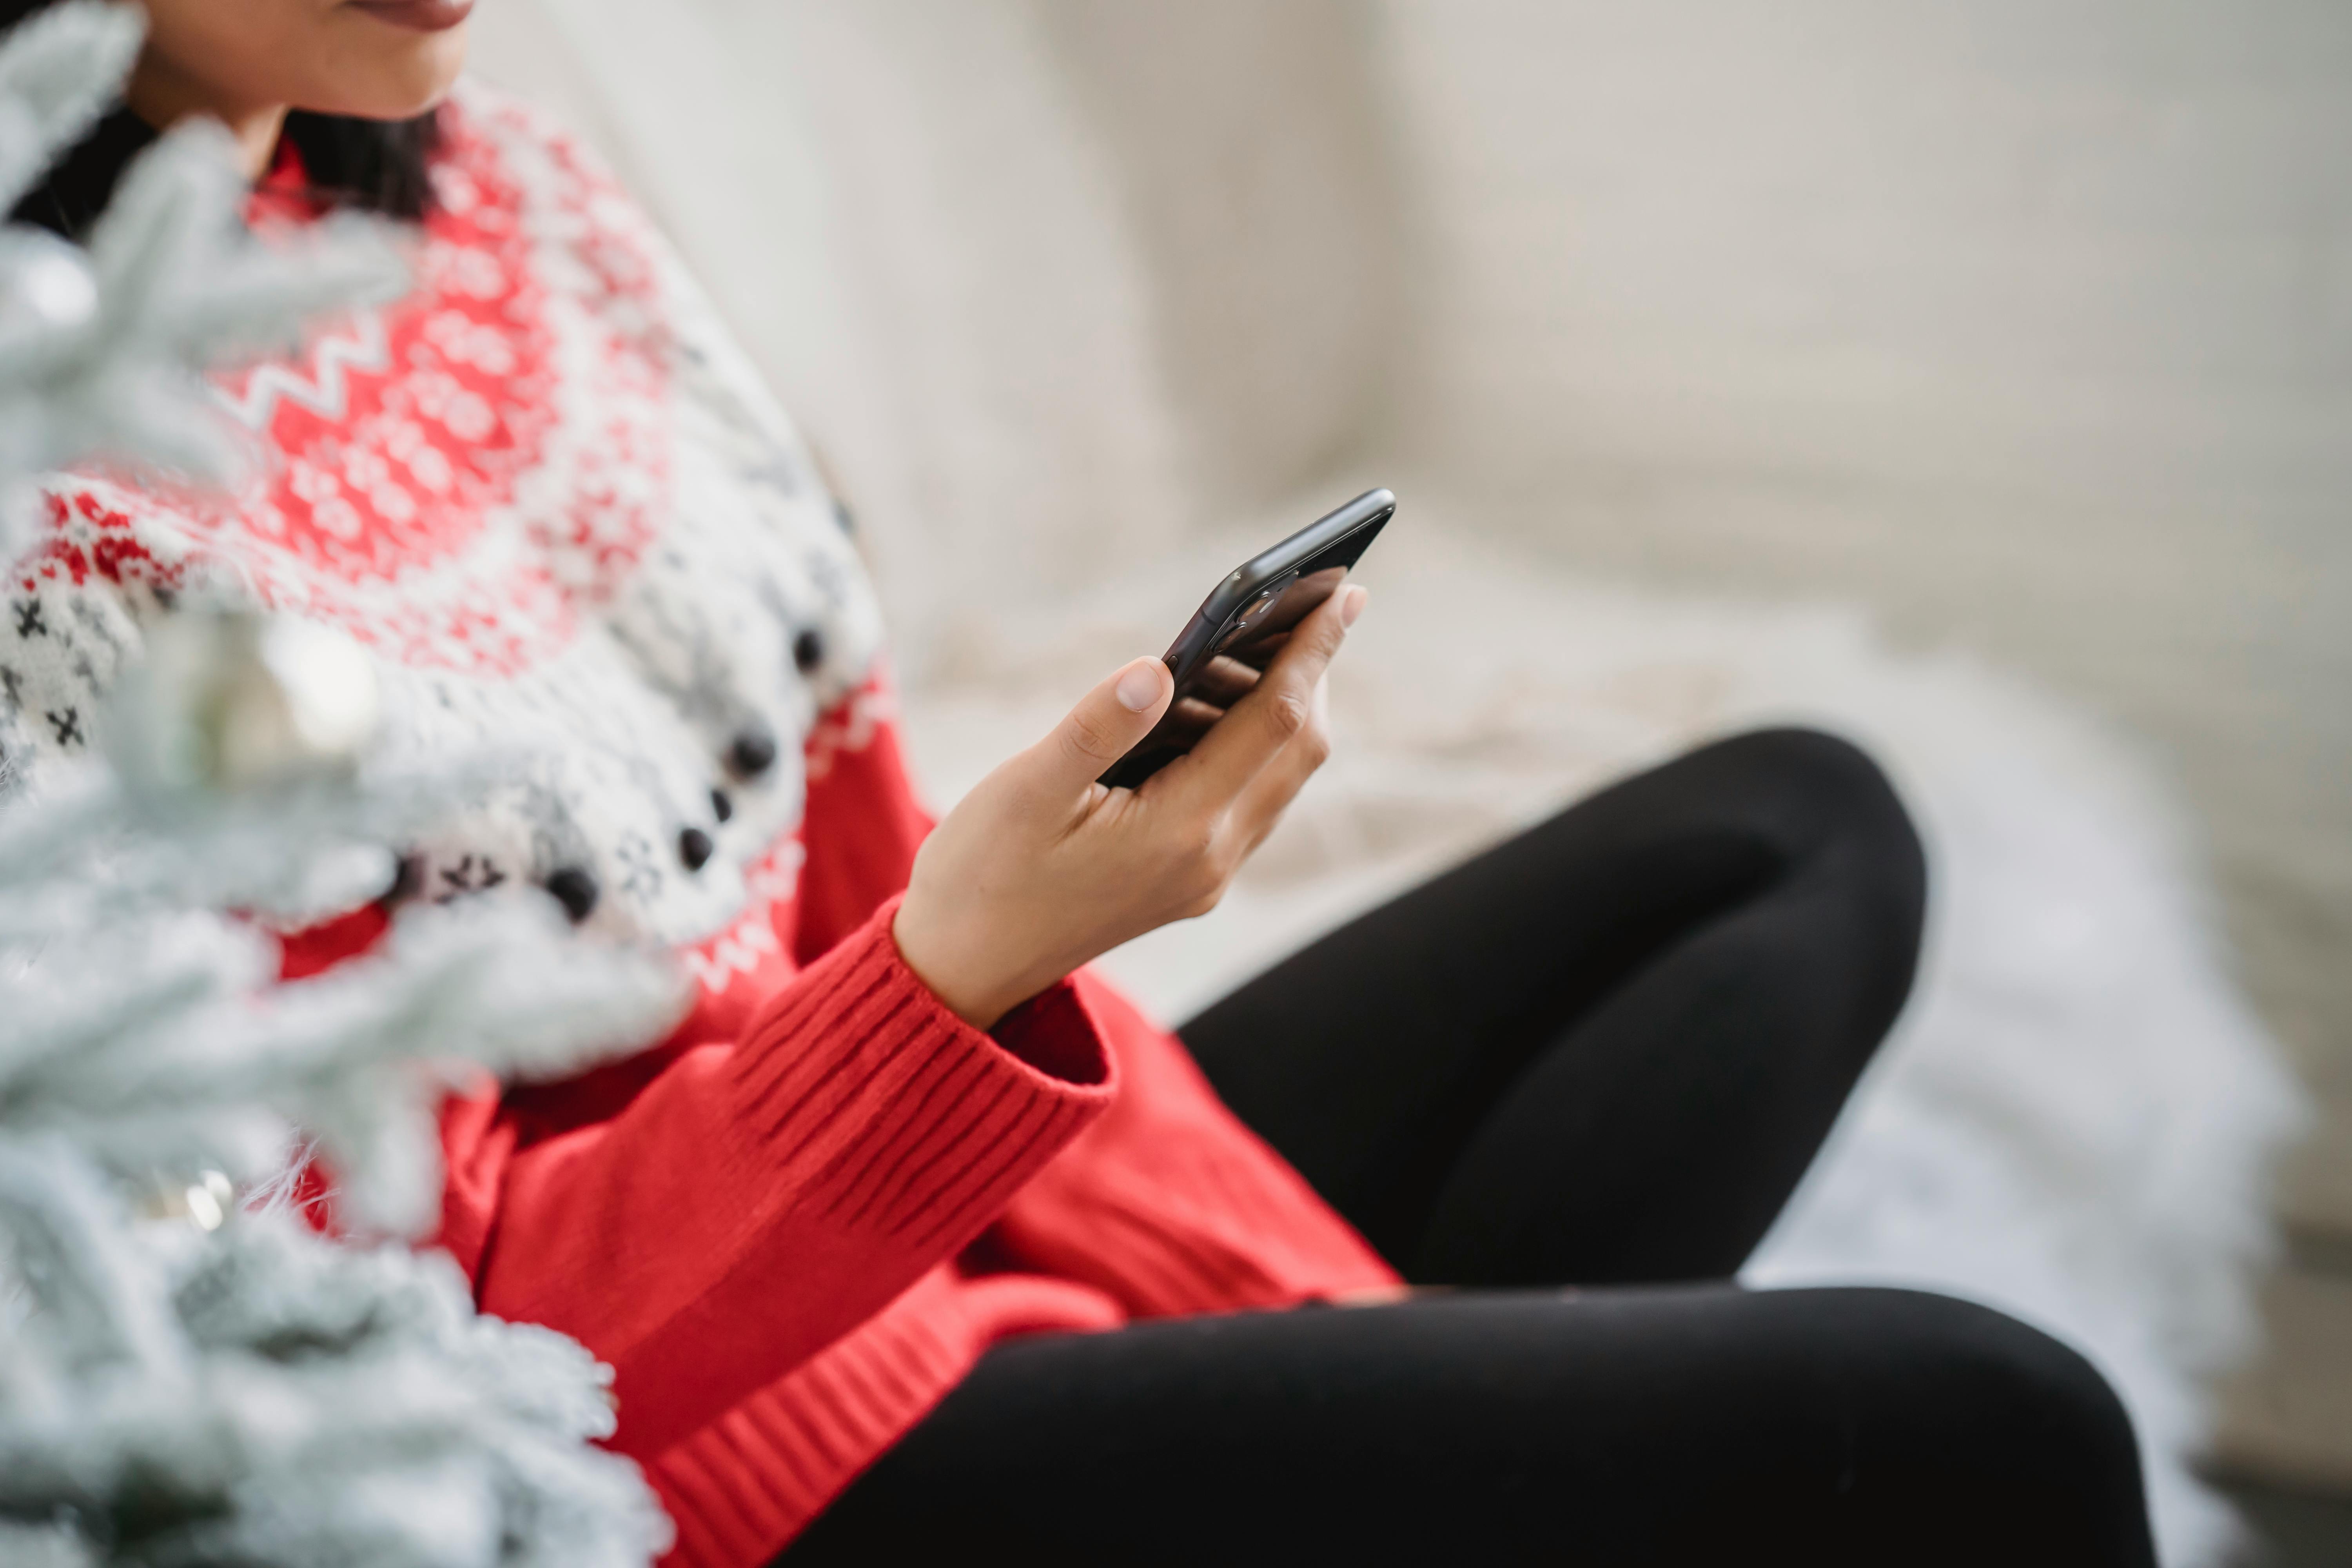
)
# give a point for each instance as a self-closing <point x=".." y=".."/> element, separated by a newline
<point x="1255" y="730"/>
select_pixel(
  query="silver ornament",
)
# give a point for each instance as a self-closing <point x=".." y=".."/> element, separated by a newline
<point x="234" y="702"/>
<point x="46" y="288"/>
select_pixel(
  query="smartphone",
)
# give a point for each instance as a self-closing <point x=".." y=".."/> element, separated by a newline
<point x="1243" y="623"/>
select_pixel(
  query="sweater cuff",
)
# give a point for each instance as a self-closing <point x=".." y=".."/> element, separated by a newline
<point x="1054" y="1033"/>
<point x="903" y="1117"/>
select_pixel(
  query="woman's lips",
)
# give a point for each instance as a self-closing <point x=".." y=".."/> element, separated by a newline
<point x="423" y="15"/>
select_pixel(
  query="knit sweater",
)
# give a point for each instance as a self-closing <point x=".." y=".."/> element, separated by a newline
<point x="553" y="500"/>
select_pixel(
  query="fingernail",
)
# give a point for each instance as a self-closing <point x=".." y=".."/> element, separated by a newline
<point x="1139" y="687"/>
<point x="1351" y="604"/>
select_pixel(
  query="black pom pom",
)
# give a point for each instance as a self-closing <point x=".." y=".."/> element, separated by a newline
<point x="753" y="751"/>
<point x="694" y="847"/>
<point x="407" y="881"/>
<point x="721" y="806"/>
<point x="808" y="651"/>
<point x="575" y="889"/>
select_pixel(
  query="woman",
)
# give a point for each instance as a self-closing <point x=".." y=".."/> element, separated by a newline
<point x="832" y="1233"/>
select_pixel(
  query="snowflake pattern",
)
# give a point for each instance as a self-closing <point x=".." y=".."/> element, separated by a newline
<point x="553" y="500"/>
<point x="471" y="874"/>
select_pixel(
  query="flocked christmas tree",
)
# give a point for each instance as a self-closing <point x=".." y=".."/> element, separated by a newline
<point x="189" y="1373"/>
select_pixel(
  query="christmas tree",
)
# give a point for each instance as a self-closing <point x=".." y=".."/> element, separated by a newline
<point x="190" y="1371"/>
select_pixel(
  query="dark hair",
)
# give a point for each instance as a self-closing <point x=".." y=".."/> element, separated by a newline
<point x="375" y="165"/>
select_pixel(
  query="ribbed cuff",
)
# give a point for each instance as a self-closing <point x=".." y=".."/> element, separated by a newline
<point x="1054" y="1033"/>
<point x="1178" y="1207"/>
<point x="897" y="1117"/>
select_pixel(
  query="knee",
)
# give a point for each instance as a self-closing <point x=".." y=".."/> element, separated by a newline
<point x="2006" y="1410"/>
<point x="2019" y="1374"/>
<point x="1821" y="781"/>
<point x="1833" y="807"/>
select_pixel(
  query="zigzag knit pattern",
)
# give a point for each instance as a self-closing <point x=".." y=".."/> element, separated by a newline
<point x="555" y="504"/>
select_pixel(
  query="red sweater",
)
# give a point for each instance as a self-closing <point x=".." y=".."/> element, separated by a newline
<point x="553" y="500"/>
<point x="792" y="1228"/>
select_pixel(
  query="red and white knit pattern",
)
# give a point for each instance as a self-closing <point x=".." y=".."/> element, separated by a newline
<point x="554" y="501"/>
<point x="550" y="497"/>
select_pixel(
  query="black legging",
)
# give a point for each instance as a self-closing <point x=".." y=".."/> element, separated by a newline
<point x="1603" y="1053"/>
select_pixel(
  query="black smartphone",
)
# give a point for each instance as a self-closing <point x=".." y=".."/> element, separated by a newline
<point x="1243" y="623"/>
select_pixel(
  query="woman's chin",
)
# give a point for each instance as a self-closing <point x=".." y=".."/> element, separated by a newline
<point x="399" y="84"/>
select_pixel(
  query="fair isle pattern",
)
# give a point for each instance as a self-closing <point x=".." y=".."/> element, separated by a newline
<point x="395" y="500"/>
<point x="360" y="346"/>
<point x="557" y="505"/>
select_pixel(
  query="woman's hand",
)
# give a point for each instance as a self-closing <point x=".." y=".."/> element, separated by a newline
<point x="1041" y="870"/>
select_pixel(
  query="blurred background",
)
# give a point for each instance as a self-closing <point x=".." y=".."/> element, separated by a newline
<point x="1977" y="378"/>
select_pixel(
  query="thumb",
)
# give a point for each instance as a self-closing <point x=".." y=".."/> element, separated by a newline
<point x="1106" y="724"/>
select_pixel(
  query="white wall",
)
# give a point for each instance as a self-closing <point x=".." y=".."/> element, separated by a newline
<point x="2028" y="324"/>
